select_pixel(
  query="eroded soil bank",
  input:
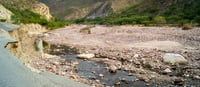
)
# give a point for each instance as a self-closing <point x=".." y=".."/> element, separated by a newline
<point x="136" y="50"/>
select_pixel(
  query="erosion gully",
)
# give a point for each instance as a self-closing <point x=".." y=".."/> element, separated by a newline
<point x="91" y="69"/>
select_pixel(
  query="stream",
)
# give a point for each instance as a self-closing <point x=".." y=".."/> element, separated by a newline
<point x="92" y="70"/>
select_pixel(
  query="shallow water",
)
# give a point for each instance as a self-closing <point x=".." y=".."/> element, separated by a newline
<point x="91" y="69"/>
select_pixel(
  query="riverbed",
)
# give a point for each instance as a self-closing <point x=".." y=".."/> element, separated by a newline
<point x="138" y="50"/>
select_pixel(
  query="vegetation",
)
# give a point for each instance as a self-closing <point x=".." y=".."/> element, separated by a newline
<point x="153" y="12"/>
<point x="26" y="16"/>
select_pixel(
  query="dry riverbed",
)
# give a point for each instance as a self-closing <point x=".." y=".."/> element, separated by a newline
<point x="136" y="50"/>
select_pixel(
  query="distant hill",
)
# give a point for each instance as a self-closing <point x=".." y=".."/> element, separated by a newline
<point x="155" y="12"/>
<point x="75" y="9"/>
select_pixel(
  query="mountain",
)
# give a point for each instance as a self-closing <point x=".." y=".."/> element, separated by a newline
<point x="75" y="9"/>
<point x="155" y="12"/>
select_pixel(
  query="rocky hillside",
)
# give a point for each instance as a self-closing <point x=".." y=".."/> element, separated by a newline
<point x="75" y="9"/>
<point x="32" y="5"/>
<point x="5" y="14"/>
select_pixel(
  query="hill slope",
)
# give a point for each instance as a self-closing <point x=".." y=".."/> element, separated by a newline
<point x="75" y="9"/>
<point x="156" y="12"/>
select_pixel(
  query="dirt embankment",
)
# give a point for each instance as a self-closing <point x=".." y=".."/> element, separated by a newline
<point x="139" y="50"/>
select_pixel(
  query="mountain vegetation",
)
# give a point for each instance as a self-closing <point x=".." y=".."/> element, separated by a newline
<point x="76" y="9"/>
<point x="149" y="12"/>
<point x="23" y="13"/>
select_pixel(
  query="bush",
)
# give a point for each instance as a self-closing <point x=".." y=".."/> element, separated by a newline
<point x="27" y="16"/>
<point x="159" y="20"/>
<point x="2" y="20"/>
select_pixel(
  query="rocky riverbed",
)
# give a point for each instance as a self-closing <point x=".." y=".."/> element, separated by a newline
<point x="160" y="55"/>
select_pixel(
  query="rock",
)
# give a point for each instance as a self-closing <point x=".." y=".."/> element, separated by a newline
<point x="85" y="56"/>
<point x="94" y="72"/>
<point x="178" y="82"/>
<point x="5" y="13"/>
<point x="123" y="79"/>
<point x="55" y="63"/>
<point x="136" y="56"/>
<point x="98" y="81"/>
<point x="174" y="58"/>
<point x="167" y="71"/>
<point x="43" y="10"/>
<point x="130" y="74"/>
<point x="113" y="69"/>
<point x="117" y="83"/>
<point x="101" y="75"/>
<point x="197" y="77"/>
<point x="74" y="63"/>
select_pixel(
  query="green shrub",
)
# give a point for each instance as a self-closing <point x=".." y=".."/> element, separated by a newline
<point x="27" y="16"/>
<point x="2" y="20"/>
<point x="159" y="20"/>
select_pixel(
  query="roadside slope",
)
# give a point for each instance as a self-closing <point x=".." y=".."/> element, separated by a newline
<point x="15" y="74"/>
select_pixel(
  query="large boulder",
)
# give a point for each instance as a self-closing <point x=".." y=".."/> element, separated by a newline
<point x="174" y="58"/>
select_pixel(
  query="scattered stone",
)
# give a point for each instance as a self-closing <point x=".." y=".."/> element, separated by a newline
<point x="147" y="84"/>
<point x="63" y="73"/>
<point x="197" y="77"/>
<point x="174" y="58"/>
<point x="130" y="74"/>
<point x="74" y="63"/>
<point x="136" y="56"/>
<point x="147" y="65"/>
<point x="85" y="56"/>
<point x="137" y="64"/>
<point x="117" y="83"/>
<point x="178" y="81"/>
<point x="98" y="81"/>
<point x="167" y="71"/>
<point x="94" y="72"/>
<point x="112" y="69"/>
<point x="123" y="79"/>
<point x="101" y="75"/>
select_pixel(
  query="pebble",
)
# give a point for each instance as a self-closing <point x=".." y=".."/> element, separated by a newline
<point x="178" y="82"/>
<point x="56" y="63"/>
<point x="112" y="69"/>
<point x="117" y="83"/>
<point x="167" y="71"/>
<point x="94" y="72"/>
<point x="98" y="81"/>
<point x="136" y="56"/>
<point x="197" y="77"/>
<point x="75" y="63"/>
<point x="123" y="79"/>
<point x="101" y="75"/>
<point x="130" y="74"/>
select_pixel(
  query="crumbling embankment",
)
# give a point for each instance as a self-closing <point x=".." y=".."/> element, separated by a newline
<point x="15" y="74"/>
